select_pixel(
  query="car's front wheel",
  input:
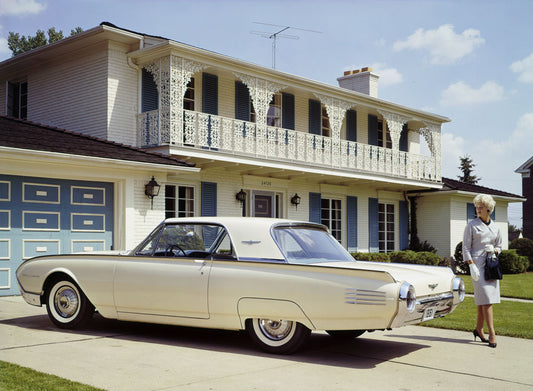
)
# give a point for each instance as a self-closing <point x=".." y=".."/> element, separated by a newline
<point x="67" y="305"/>
<point x="277" y="336"/>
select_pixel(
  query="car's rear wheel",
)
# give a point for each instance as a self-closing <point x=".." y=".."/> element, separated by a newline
<point x="277" y="336"/>
<point x="345" y="334"/>
<point x="67" y="305"/>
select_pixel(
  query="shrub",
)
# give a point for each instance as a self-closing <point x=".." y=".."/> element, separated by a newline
<point x="407" y="256"/>
<point x="460" y="265"/>
<point x="373" y="257"/>
<point x="427" y="258"/>
<point x="426" y="246"/>
<point x="512" y="263"/>
<point x="524" y="247"/>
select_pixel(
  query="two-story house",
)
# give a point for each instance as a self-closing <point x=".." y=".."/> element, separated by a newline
<point x="263" y="142"/>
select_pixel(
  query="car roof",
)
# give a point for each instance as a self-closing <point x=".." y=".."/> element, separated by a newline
<point x="251" y="236"/>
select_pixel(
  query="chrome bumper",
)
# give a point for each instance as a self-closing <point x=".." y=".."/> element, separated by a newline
<point x="31" y="298"/>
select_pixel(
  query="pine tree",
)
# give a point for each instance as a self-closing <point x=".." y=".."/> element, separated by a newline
<point x="19" y="44"/>
<point x="467" y="167"/>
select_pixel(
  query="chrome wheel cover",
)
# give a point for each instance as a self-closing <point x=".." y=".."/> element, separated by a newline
<point x="66" y="301"/>
<point x="275" y="330"/>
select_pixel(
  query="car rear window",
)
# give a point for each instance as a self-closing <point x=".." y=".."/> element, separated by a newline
<point x="305" y="245"/>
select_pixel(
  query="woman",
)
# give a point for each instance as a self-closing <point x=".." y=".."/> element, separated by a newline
<point x="481" y="238"/>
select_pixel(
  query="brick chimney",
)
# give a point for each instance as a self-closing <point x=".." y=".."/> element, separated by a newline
<point x="360" y="80"/>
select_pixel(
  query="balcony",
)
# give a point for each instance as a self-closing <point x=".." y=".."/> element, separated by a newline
<point x="215" y="134"/>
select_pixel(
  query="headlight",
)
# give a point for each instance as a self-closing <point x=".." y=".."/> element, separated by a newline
<point x="458" y="287"/>
<point x="407" y="294"/>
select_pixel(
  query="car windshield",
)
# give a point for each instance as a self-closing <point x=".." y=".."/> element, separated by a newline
<point x="305" y="245"/>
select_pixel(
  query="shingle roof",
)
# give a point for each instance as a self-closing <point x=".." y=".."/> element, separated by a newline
<point x="451" y="184"/>
<point x="16" y="133"/>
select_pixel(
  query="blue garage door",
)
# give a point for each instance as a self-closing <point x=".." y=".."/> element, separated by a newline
<point x="41" y="216"/>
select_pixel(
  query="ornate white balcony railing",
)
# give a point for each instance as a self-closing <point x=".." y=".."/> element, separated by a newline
<point x="228" y="135"/>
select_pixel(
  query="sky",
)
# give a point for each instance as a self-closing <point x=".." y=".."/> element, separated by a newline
<point x="468" y="60"/>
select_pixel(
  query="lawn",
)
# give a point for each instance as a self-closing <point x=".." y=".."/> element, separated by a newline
<point x="511" y="318"/>
<point x="16" y="378"/>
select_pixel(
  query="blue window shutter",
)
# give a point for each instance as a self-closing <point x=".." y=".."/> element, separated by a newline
<point x="372" y="130"/>
<point x="209" y="199"/>
<point x="373" y="225"/>
<point x="149" y="94"/>
<point x="351" y="125"/>
<point x="287" y="111"/>
<point x="314" y="208"/>
<point x="403" y="139"/>
<point x="470" y="211"/>
<point x="242" y="102"/>
<point x="351" y="220"/>
<point x="493" y="215"/>
<point x="315" y="117"/>
<point x="404" y="225"/>
<point x="210" y="93"/>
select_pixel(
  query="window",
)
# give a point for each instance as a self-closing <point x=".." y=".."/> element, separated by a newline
<point x="179" y="201"/>
<point x="331" y="213"/>
<point x="188" y="98"/>
<point x="17" y="100"/>
<point x="274" y="112"/>
<point x="326" y="129"/>
<point x="386" y="227"/>
<point x="384" y="139"/>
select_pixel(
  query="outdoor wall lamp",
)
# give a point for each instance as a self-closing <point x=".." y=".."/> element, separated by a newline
<point x="295" y="200"/>
<point x="241" y="196"/>
<point x="151" y="189"/>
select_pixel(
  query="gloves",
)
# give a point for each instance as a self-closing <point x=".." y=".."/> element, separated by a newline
<point x="489" y="248"/>
<point x="474" y="271"/>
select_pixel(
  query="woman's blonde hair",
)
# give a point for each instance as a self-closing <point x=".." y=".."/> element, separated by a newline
<point x="486" y="200"/>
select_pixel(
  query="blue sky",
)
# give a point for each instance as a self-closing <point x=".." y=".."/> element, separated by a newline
<point x="471" y="61"/>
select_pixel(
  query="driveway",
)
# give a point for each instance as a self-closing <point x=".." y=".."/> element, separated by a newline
<point x="131" y="356"/>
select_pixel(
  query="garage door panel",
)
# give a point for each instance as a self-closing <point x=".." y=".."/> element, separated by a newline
<point x="46" y="216"/>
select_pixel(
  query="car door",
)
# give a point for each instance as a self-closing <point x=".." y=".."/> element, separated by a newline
<point x="169" y="275"/>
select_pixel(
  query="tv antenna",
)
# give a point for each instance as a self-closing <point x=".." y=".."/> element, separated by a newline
<point x="274" y="36"/>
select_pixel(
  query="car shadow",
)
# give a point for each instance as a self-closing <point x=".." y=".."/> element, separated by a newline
<point x="363" y="352"/>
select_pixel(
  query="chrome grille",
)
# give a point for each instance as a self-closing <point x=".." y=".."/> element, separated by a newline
<point x="364" y="297"/>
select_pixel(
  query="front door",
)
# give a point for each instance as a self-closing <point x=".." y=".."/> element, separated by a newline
<point x="264" y="204"/>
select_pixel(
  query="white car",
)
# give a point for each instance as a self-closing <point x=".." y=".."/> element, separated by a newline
<point x="278" y="279"/>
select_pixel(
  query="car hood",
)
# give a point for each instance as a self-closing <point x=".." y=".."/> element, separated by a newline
<point x="422" y="277"/>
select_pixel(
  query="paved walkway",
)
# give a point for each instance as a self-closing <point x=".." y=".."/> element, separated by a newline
<point x="130" y="356"/>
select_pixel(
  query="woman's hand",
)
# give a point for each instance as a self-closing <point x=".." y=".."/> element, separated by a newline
<point x="474" y="271"/>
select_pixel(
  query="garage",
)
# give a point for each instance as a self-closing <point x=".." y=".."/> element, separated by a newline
<point x="43" y="216"/>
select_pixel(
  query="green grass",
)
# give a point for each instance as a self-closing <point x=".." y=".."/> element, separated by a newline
<point x="512" y="319"/>
<point x="512" y="285"/>
<point x="16" y="378"/>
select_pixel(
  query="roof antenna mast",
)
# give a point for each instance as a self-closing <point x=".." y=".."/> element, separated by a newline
<point x="274" y="37"/>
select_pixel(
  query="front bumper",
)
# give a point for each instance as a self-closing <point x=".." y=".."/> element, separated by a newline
<point x="30" y="298"/>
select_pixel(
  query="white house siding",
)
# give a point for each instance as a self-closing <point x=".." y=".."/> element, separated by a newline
<point x="71" y="92"/>
<point x="122" y="98"/>
<point x="433" y="223"/>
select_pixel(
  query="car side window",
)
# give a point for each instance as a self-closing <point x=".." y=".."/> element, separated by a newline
<point x="224" y="249"/>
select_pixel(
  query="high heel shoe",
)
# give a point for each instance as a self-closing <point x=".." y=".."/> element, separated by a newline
<point x="492" y="345"/>
<point x="476" y="334"/>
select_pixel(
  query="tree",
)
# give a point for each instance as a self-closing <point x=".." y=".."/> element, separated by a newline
<point x="467" y="167"/>
<point x="19" y="44"/>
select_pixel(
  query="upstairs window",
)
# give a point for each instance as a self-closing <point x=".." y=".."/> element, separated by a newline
<point x="188" y="99"/>
<point x="326" y="128"/>
<point x="17" y="100"/>
<point x="384" y="139"/>
<point x="274" y="111"/>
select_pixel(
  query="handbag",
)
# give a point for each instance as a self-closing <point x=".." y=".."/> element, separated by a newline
<point x="493" y="269"/>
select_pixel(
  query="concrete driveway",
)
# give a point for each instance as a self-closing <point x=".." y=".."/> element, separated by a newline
<point x="130" y="356"/>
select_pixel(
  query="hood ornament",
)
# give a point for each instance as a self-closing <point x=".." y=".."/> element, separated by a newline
<point x="433" y="286"/>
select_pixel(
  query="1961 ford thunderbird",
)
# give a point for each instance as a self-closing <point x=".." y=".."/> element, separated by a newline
<point x="278" y="279"/>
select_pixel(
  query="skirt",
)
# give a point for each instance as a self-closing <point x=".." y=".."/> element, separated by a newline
<point x="485" y="292"/>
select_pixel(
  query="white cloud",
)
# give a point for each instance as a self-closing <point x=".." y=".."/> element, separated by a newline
<point x="460" y="93"/>
<point x="20" y="7"/>
<point x="4" y="49"/>
<point x="524" y="68"/>
<point x="443" y="44"/>
<point x="387" y="76"/>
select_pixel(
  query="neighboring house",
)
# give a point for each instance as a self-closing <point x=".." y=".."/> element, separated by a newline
<point x="441" y="215"/>
<point x="527" y="190"/>
<point x="63" y="192"/>
<point x="283" y="145"/>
